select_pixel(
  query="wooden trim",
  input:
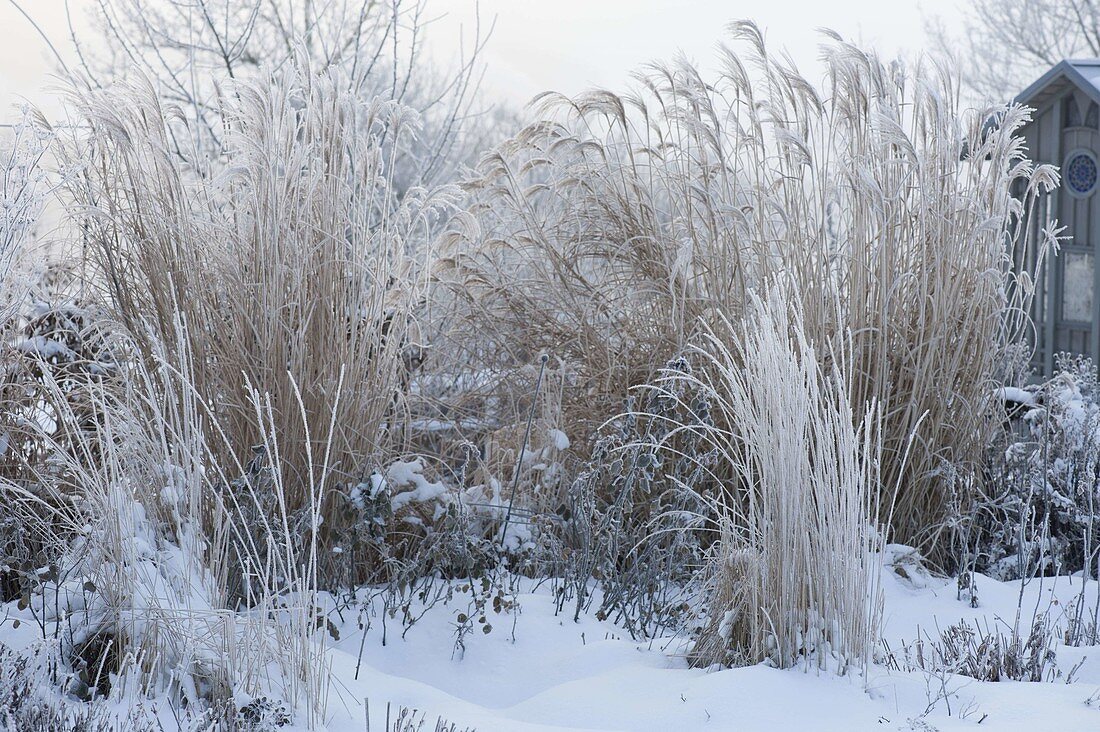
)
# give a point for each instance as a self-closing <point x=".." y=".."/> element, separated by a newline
<point x="1052" y="309"/>
<point x="1094" y="340"/>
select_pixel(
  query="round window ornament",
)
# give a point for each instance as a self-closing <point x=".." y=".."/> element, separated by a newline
<point x="1080" y="173"/>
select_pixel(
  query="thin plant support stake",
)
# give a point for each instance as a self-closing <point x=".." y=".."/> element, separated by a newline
<point x="523" y="448"/>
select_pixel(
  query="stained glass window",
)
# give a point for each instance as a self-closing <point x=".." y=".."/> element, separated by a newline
<point x="1080" y="173"/>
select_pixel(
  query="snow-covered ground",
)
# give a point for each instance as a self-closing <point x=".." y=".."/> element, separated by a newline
<point x="558" y="674"/>
<point x="540" y="671"/>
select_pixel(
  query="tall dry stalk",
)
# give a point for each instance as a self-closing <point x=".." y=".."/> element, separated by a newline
<point x="295" y="269"/>
<point x="619" y="227"/>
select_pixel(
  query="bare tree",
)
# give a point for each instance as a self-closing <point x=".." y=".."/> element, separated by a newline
<point x="1001" y="46"/>
<point x="195" y="51"/>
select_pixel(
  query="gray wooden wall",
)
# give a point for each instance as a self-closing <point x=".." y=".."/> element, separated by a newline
<point x="1065" y="307"/>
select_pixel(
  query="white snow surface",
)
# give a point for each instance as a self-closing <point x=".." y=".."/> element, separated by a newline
<point x="46" y="348"/>
<point x="412" y="486"/>
<point x="538" y="671"/>
<point x="1016" y="394"/>
<point x="558" y="674"/>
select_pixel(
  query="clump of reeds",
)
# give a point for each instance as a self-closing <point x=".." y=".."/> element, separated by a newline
<point x="794" y="575"/>
<point x="619" y="227"/>
<point x="294" y="269"/>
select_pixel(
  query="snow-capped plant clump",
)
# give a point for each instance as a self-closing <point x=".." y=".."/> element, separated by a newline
<point x="1040" y="516"/>
<point x="143" y="581"/>
<point x="410" y="486"/>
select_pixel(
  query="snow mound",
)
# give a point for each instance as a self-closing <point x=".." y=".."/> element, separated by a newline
<point x="540" y="671"/>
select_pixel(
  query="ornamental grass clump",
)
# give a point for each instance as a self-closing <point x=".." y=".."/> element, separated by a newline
<point x="794" y="576"/>
<point x="290" y="269"/>
<point x="618" y="228"/>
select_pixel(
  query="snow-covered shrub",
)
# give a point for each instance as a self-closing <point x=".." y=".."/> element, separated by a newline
<point x="30" y="703"/>
<point x="635" y="516"/>
<point x="150" y="591"/>
<point x="42" y="337"/>
<point x="408" y="521"/>
<point x="1041" y="514"/>
<point x="24" y="185"/>
<point x="52" y="350"/>
<point x="987" y="654"/>
<point x="620" y="226"/>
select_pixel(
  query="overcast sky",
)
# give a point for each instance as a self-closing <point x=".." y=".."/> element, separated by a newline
<point x="570" y="45"/>
<point x="537" y="45"/>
